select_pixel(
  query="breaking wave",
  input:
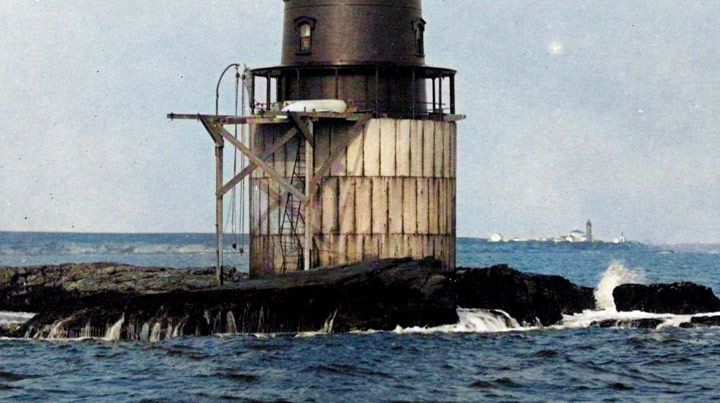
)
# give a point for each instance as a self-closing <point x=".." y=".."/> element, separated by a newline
<point x="605" y="314"/>
<point x="615" y="275"/>
<point x="473" y="321"/>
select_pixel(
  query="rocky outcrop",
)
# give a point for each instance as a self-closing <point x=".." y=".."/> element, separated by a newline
<point x="34" y="289"/>
<point x="378" y="295"/>
<point x="676" y="298"/>
<point x="529" y="298"/>
<point x="702" y="321"/>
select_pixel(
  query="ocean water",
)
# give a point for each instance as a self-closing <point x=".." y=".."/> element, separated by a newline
<point x="485" y="356"/>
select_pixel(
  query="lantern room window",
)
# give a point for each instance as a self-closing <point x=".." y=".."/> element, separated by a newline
<point x="419" y="28"/>
<point x="304" y="27"/>
<point x="305" y="38"/>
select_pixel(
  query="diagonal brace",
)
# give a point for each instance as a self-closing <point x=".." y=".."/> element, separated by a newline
<point x="250" y="168"/>
<point x="218" y="131"/>
<point x="302" y="126"/>
<point x="208" y="123"/>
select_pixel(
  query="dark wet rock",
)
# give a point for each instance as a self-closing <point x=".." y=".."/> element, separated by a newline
<point x="32" y="289"/>
<point x="377" y="295"/>
<point x="526" y="297"/>
<point x="9" y="330"/>
<point x="702" y="321"/>
<point x="676" y="298"/>
<point x="629" y="323"/>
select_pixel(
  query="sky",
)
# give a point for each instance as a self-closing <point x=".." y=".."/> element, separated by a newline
<point x="575" y="110"/>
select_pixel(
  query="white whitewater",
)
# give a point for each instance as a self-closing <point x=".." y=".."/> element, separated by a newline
<point x="156" y="332"/>
<point x="57" y="332"/>
<point x="177" y="331"/>
<point x="113" y="334"/>
<point x="474" y="321"/>
<point x="86" y="332"/>
<point x="495" y="320"/>
<point x="329" y="323"/>
<point x="145" y="332"/>
<point x="230" y="326"/>
<point x="326" y="329"/>
<point x="615" y="275"/>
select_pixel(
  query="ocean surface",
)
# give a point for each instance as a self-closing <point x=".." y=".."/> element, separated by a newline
<point x="485" y="356"/>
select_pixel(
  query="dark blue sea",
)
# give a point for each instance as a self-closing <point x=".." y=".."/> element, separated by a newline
<point x="479" y="358"/>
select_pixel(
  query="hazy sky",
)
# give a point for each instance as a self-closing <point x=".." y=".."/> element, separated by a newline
<point x="576" y="109"/>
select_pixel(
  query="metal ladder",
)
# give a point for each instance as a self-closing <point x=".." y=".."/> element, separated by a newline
<point x="292" y="226"/>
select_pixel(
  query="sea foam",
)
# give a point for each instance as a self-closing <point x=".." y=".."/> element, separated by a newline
<point x="495" y="320"/>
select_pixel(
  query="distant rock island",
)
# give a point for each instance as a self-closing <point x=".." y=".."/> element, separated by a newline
<point x="575" y="236"/>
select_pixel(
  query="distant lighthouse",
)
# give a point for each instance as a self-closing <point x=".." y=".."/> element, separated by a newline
<point x="588" y="231"/>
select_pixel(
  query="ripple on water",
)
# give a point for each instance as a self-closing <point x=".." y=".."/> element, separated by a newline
<point x="620" y="386"/>
<point x="505" y="381"/>
<point x="347" y="369"/>
<point x="246" y="378"/>
<point x="481" y="384"/>
<point x="667" y="361"/>
<point x="192" y="355"/>
<point x="548" y="353"/>
<point x="14" y="377"/>
<point x="263" y="347"/>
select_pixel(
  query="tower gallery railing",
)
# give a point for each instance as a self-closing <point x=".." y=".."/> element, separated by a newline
<point x="431" y="92"/>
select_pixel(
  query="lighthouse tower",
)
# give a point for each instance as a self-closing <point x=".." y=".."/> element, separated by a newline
<point x="384" y="175"/>
<point x="354" y="141"/>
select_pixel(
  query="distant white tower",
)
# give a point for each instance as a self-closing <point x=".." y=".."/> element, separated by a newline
<point x="588" y="231"/>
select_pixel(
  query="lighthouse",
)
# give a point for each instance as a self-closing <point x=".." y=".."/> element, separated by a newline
<point x="352" y="142"/>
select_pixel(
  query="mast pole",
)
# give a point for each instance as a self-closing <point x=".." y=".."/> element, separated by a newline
<point x="219" y="145"/>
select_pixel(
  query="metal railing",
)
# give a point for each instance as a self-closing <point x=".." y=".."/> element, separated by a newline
<point x="412" y="108"/>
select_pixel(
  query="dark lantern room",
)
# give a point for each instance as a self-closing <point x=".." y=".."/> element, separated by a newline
<point x="368" y="53"/>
